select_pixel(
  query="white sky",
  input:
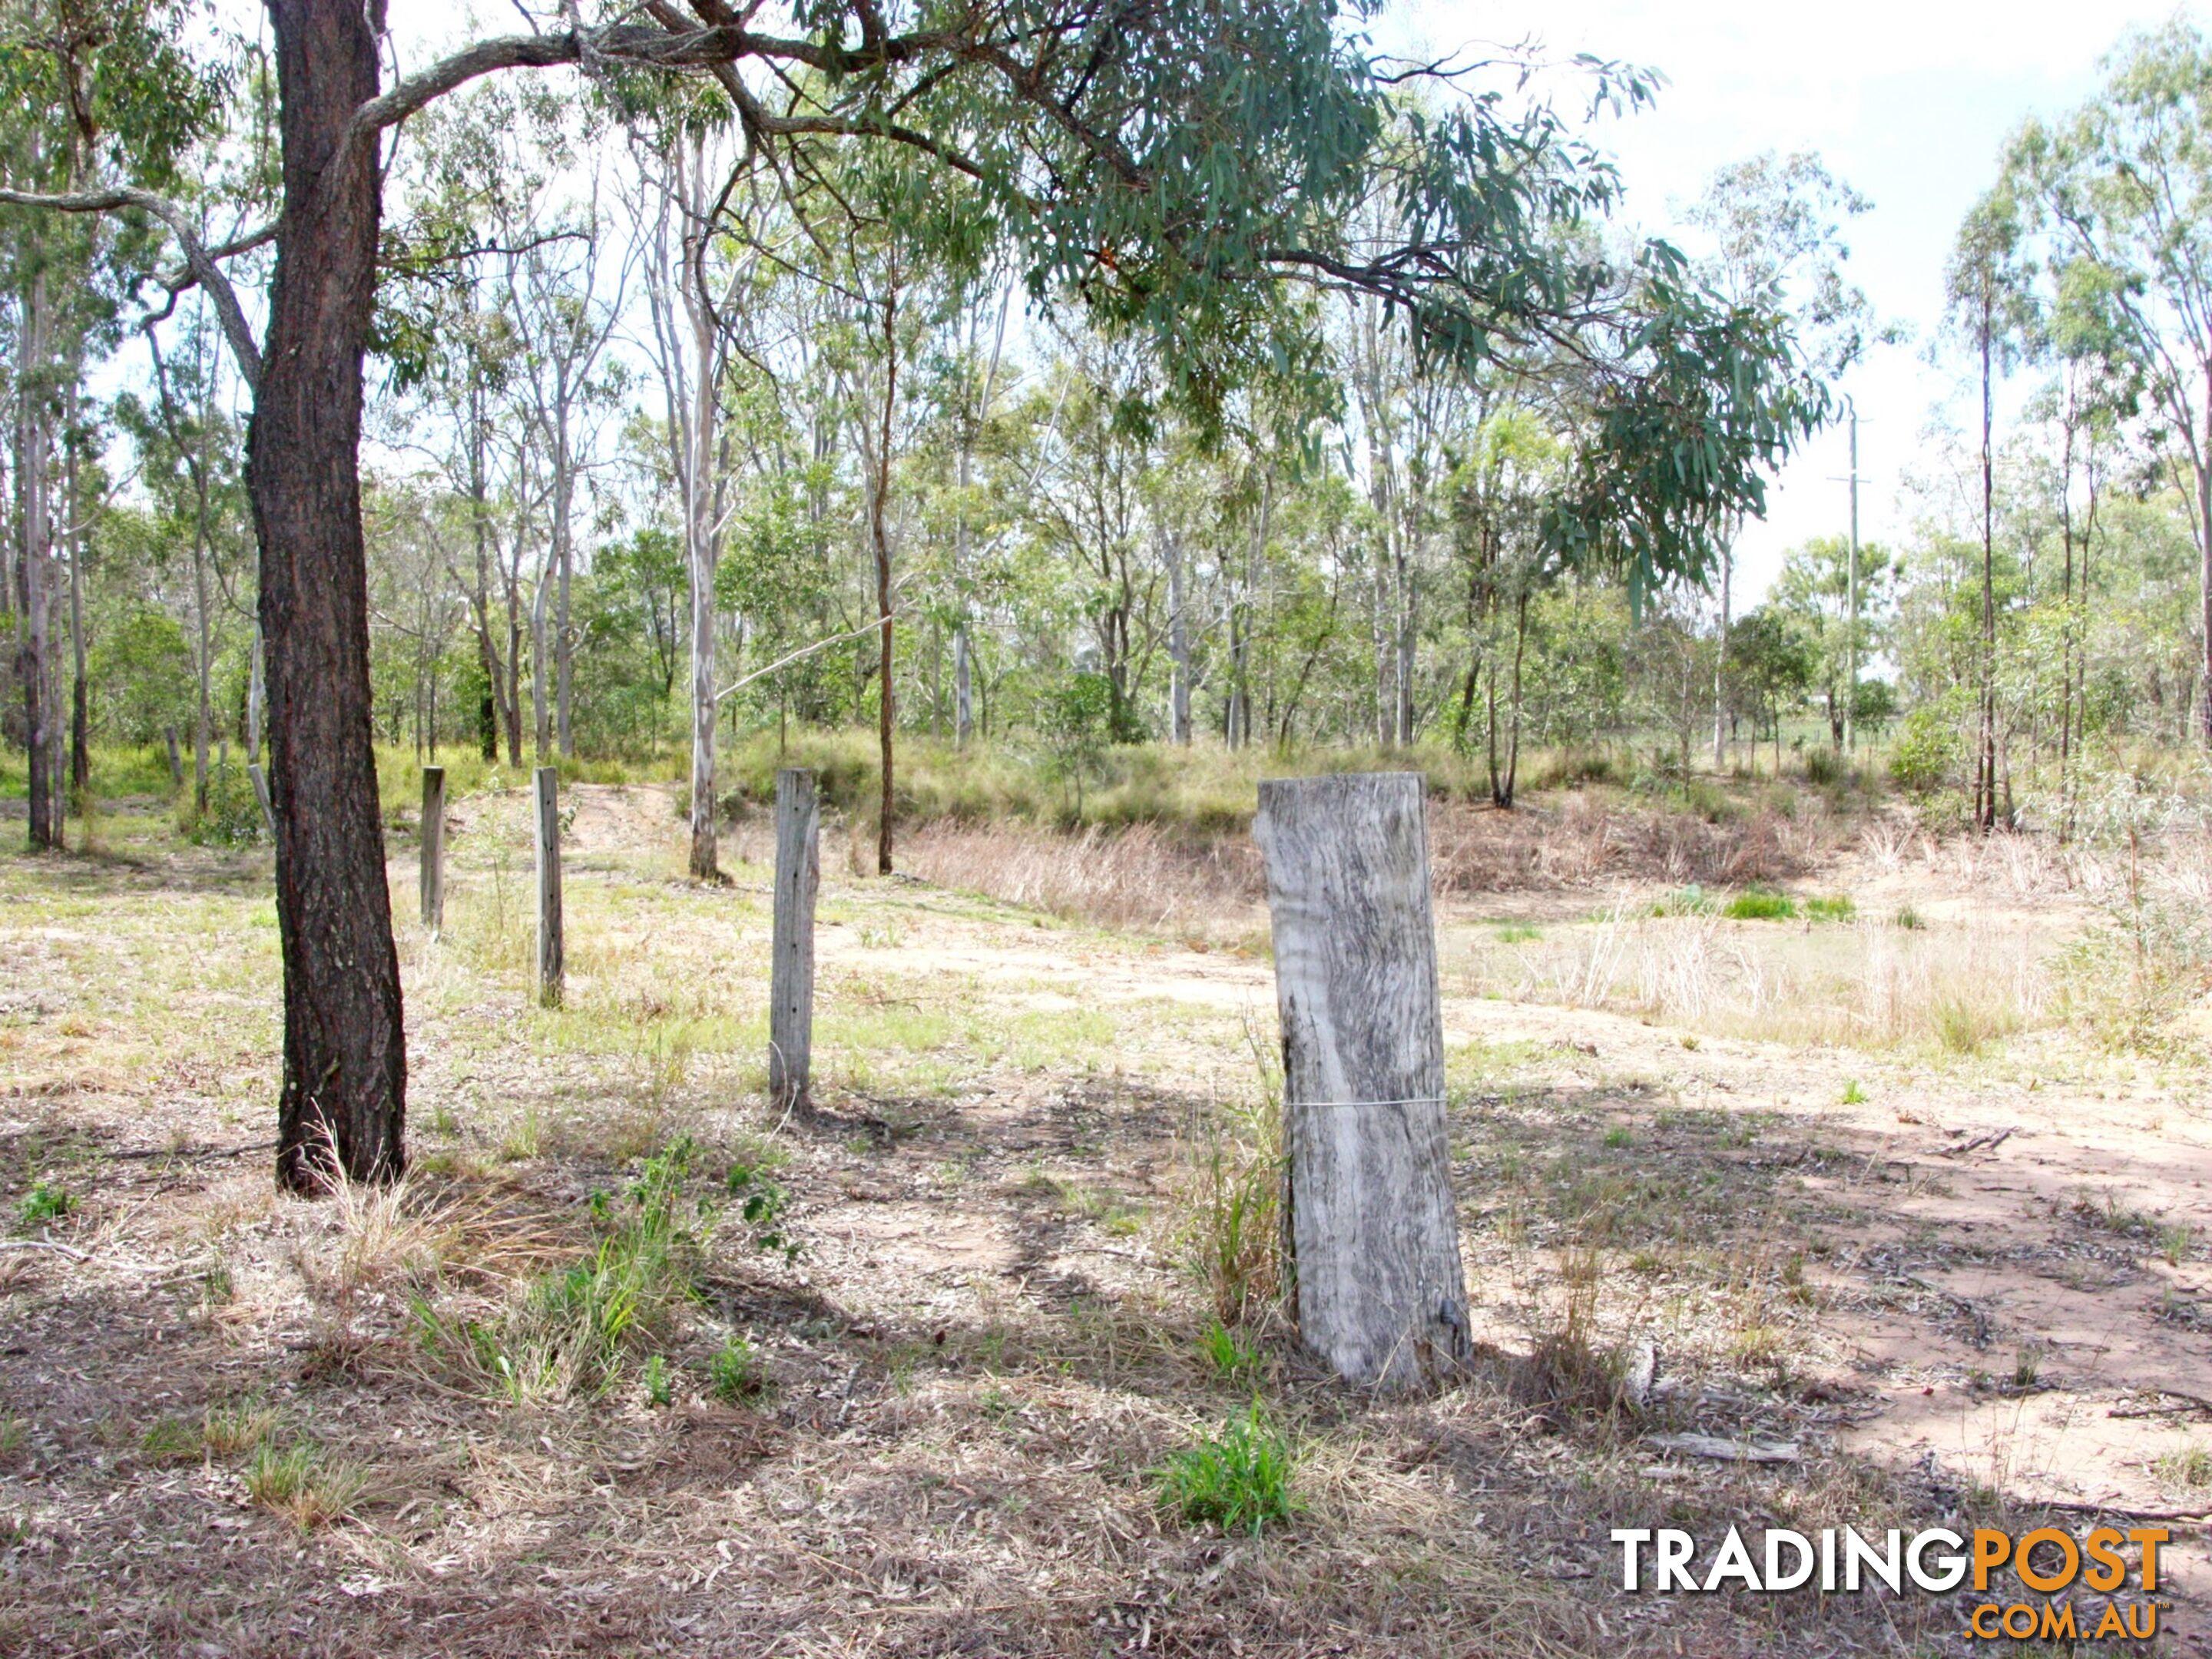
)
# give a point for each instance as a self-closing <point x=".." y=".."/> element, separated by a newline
<point x="1910" y="103"/>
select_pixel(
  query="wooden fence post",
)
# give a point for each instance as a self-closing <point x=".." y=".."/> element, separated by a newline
<point x="434" y="849"/>
<point x="791" y="973"/>
<point x="546" y="791"/>
<point x="1380" y="1292"/>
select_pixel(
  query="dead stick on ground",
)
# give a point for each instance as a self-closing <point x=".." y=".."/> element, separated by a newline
<point x="1993" y="1140"/>
<point x="73" y="1254"/>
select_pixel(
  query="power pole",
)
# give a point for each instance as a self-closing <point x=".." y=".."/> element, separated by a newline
<point x="1852" y="592"/>
<point x="1851" y="626"/>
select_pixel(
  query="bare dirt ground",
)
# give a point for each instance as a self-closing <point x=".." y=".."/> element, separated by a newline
<point x="1859" y="1183"/>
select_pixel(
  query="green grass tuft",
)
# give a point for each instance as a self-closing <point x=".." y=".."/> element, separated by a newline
<point x="1760" y="904"/>
<point x="45" y="1202"/>
<point x="1239" y="1479"/>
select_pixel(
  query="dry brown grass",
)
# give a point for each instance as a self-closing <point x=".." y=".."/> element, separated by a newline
<point x="970" y="1371"/>
<point x="1869" y="985"/>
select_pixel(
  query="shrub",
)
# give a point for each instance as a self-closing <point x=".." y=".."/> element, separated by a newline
<point x="764" y="1203"/>
<point x="734" y="1371"/>
<point x="1926" y="756"/>
<point x="1239" y="1479"/>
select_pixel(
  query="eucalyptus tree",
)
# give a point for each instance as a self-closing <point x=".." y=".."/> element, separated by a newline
<point x="565" y="296"/>
<point x="2121" y="190"/>
<point x="189" y="452"/>
<point x="693" y="274"/>
<point x="1990" y="311"/>
<point x="1499" y="491"/>
<point x="1775" y="231"/>
<point x="897" y="248"/>
<point x="1165" y="166"/>
<point x="1088" y="501"/>
<point x="1824" y="588"/>
<point x="87" y="88"/>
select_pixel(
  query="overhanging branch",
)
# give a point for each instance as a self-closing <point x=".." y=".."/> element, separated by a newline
<point x="200" y="262"/>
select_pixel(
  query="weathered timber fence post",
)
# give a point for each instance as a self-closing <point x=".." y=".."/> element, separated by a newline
<point x="1381" y="1292"/>
<point x="548" y="796"/>
<point x="434" y="849"/>
<point x="791" y="974"/>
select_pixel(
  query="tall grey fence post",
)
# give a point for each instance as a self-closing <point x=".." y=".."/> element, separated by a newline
<point x="546" y="791"/>
<point x="791" y="974"/>
<point x="1380" y="1292"/>
<point x="434" y="848"/>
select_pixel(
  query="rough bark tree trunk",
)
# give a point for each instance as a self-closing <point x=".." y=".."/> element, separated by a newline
<point x="345" y="1073"/>
<point x="33" y="445"/>
<point x="879" y="536"/>
<point x="564" y="491"/>
<point x="80" y="767"/>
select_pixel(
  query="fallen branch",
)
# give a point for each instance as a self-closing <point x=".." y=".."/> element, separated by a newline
<point x="70" y="1251"/>
<point x="2198" y="1517"/>
<point x="1993" y="1140"/>
<point x="2189" y="1402"/>
<point x="1723" y="1450"/>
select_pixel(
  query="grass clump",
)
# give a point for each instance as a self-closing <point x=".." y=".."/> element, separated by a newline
<point x="45" y="1202"/>
<point x="171" y="1440"/>
<point x="238" y="1426"/>
<point x="304" y="1485"/>
<point x="1760" y="904"/>
<point x="1966" y="1024"/>
<point x="571" y="1332"/>
<point x="1238" y="1480"/>
<point x="1840" y="907"/>
<point x="1233" y="1203"/>
<point x="734" y="1372"/>
<point x="1226" y="1354"/>
<point x="2190" y="1466"/>
<point x="1691" y="900"/>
